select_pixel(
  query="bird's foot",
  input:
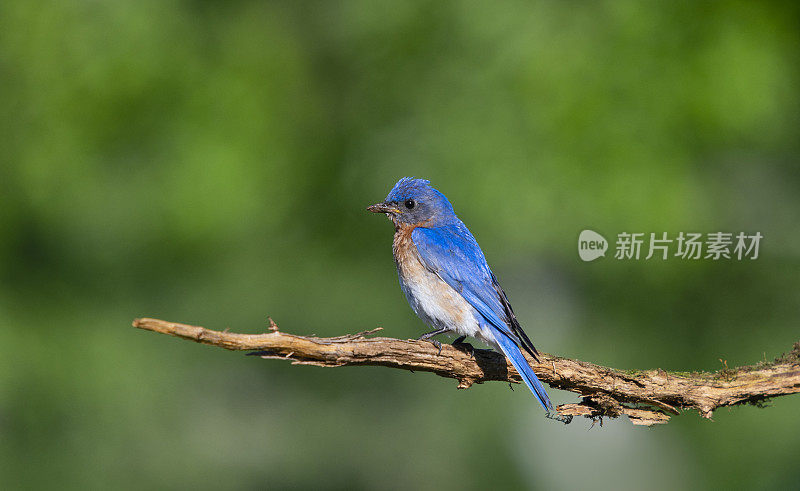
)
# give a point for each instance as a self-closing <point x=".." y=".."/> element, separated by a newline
<point x="428" y="335"/>
<point x="459" y="344"/>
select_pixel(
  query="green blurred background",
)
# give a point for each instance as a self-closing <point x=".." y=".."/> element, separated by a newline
<point x="209" y="162"/>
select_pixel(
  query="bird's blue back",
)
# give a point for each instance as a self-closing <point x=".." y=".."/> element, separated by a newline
<point x="454" y="255"/>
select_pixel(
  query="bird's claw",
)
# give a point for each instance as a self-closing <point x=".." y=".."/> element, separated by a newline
<point x="432" y="341"/>
<point x="459" y="344"/>
<point x="428" y="335"/>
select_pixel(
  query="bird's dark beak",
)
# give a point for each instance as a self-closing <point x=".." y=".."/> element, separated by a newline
<point x="383" y="208"/>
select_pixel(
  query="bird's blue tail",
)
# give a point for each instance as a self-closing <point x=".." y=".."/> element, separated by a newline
<point x="513" y="352"/>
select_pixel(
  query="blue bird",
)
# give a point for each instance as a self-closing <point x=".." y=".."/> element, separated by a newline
<point x="446" y="280"/>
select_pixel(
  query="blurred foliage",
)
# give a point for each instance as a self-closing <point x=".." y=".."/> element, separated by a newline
<point x="209" y="162"/>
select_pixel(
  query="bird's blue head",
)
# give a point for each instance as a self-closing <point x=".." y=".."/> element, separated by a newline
<point x="413" y="202"/>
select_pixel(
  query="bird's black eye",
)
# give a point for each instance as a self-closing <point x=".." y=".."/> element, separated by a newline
<point x="410" y="204"/>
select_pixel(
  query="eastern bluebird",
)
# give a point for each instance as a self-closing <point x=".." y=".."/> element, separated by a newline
<point x="446" y="279"/>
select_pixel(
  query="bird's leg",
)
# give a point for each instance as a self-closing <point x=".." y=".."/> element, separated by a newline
<point x="429" y="335"/>
<point x="466" y="347"/>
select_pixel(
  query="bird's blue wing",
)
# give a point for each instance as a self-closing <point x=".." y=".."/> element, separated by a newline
<point x="452" y="253"/>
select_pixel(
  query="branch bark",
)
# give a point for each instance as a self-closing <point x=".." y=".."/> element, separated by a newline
<point x="647" y="397"/>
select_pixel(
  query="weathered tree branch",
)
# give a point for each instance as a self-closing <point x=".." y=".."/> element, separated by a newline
<point x="647" y="397"/>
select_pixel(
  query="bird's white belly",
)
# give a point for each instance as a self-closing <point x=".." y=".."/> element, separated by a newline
<point x="436" y="302"/>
